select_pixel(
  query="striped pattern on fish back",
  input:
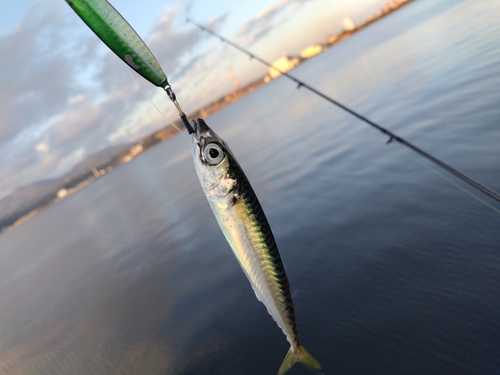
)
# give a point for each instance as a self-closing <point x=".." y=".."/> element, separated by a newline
<point x="244" y="194"/>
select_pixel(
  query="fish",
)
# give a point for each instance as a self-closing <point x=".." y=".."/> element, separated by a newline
<point x="245" y="226"/>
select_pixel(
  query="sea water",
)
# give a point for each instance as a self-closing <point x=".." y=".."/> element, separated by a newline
<point x="394" y="269"/>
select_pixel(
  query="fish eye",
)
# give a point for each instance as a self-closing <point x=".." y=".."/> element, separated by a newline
<point x="213" y="154"/>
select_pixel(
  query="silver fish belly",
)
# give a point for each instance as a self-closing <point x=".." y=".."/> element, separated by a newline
<point x="244" y="224"/>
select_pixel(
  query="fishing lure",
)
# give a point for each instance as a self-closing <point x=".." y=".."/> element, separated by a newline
<point x="242" y="220"/>
<point x="109" y="25"/>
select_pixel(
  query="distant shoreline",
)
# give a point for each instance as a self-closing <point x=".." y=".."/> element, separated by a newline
<point x="330" y="41"/>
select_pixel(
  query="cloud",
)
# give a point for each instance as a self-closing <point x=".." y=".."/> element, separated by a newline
<point x="62" y="90"/>
<point x="70" y="160"/>
<point x="66" y="96"/>
<point x="176" y="49"/>
<point x="188" y="6"/>
<point x="36" y="71"/>
<point x="42" y="147"/>
<point x="258" y="27"/>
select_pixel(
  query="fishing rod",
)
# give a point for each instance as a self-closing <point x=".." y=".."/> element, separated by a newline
<point x="109" y="25"/>
<point x="392" y="137"/>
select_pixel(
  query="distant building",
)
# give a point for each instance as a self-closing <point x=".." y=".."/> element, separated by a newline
<point x="311" y="51"/>
<point x="348" y="24"/>
<point x="331" y="39"/>
<point x="283" y="64"/>
<point x="136" y="150"/>
<point x="95" y="172"/>
<point x="393" y="5"/>
<point x="62" y="193"/>
<point x="235" y="79"/>
<point x="126" y="158"/>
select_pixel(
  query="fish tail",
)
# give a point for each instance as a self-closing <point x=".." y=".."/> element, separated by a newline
<point x="300" y="355"/>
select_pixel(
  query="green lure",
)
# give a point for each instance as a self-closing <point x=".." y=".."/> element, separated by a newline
<point x="120" y="37"/>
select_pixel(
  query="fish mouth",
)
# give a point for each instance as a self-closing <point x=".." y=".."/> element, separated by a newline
<point x="195" y="134"/>
<point x="201" y="129"/>
<point x="200" y="126"/>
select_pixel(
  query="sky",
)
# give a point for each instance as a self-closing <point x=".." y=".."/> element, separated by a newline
<point x="64" y="95"/>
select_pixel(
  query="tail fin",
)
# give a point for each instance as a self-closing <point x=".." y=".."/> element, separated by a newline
<point x="301" y="355"/>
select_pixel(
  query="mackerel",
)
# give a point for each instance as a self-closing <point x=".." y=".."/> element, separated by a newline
<point x="244" y="224"/>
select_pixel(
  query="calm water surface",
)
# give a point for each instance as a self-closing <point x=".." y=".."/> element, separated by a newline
<point x="393" y="269"/>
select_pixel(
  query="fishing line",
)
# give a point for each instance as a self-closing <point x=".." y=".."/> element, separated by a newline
<point x="454" y="183"/>
<point x="392" y="137"/>
<point x="154" y="105"/>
